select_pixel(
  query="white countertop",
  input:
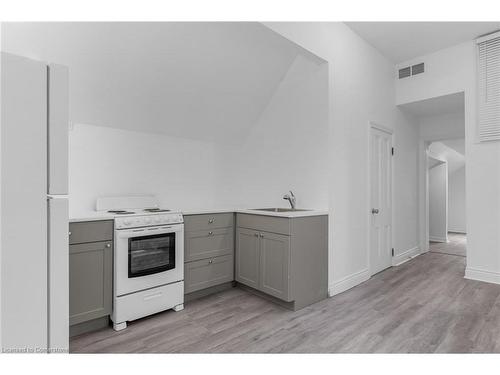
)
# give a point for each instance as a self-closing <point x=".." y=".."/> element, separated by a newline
<point x="95" y="215"/>
<point x="90" y="216"/>
<point x="290" y="214"/>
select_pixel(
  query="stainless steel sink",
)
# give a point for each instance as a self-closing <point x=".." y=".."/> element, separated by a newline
<point x="276" y="209"/>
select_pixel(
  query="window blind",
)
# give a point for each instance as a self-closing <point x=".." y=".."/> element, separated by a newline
<point x="489" y="87"/>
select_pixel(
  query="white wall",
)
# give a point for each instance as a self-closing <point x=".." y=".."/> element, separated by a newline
<point x="438" y="203"/>
<point x="197" y="80"/>
<point x="361" y="86"/>
<point x="447" y="71"/>
<point x="440" y="127"/>
<point x="456" y="201"/>
<point x="111" y="162"/>
<point x="286" y="149"/>
<point x="453" y="70"/>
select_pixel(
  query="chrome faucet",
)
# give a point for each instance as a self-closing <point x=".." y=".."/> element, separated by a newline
<point x="290" y="198"/>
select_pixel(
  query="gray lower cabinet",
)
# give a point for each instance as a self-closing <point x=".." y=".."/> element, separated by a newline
<point x="286" y="258"/>
<point x="208" y="251"/>
<point x="262" y="261"/>
<point x="90" y="272"/>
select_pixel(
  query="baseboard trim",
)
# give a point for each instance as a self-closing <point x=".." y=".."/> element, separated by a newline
<point x="438" y="239"/>
<point x="348" y="282"/>
<point x="89" y="326"/>
<point x="482" y="275"/>
<point x="404" y="257"/>
<point x="457" y="231"/>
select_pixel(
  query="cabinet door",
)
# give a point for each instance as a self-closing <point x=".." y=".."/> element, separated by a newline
<point x="274" y="264"/>
<point x="247" y="257"/>
<point x="90" y="281"/>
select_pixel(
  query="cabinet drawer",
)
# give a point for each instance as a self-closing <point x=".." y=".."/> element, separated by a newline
<point x="264" y="223"/>
<point x="205" y="273"/>
<point x="150" y="301"/>
<point x="90" y="231"/>
<point x="208" y="244"/>
<point x="208" y="221"/>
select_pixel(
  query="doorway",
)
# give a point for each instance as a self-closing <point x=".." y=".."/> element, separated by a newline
<point x="446" y="191"/>
<point x="441" y="132"/>
<point x="381" y="181"/>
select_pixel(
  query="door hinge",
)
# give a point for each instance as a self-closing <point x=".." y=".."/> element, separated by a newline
<point x="392" y="251"/>
<point x="392" y="151"/>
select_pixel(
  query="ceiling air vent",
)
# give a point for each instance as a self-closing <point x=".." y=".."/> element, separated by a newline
<point x="417" y="69"/>
<point x="404" y="72"/>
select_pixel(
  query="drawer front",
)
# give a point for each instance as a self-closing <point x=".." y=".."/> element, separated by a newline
<point x="90" y="231"/>
<point x="205" y="273"/>
<point x="208" y="221"/>
<point x="208" y="244"/>
<point x="137" y="305"/>
<point x="264" y="223"/>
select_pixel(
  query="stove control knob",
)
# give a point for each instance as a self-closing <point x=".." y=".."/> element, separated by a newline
<point x="126" y="222"/>
<point x="147" y="220"/>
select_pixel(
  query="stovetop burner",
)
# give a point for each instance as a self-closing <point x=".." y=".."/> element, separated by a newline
<point x="155" y="210"/>
<point x="121" y="212"/>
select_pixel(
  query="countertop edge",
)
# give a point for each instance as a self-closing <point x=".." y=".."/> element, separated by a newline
<point x="288" y="215"/>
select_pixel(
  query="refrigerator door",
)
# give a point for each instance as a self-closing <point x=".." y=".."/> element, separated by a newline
<point x="57" y="132"/>
<point x="24" y="203"/>
<point x="58" y="251"/>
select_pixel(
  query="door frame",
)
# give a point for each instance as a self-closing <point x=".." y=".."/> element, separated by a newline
<point x="430" y="155"/>
<point x="375" y="125"/>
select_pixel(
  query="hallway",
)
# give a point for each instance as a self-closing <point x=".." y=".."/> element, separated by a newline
<point x="456" y="245"/>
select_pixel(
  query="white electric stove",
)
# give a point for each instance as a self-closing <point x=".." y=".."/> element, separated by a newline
<point x="148" y="262"/>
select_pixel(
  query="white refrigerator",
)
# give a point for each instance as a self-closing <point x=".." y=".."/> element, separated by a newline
<point x="34" y="206"/>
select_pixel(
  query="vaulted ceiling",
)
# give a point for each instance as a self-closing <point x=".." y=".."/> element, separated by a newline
<point x="195" y="80"/>
<point x="402" y="41"/>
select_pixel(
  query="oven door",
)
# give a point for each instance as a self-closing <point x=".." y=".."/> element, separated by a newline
<point x="148" y="257"/>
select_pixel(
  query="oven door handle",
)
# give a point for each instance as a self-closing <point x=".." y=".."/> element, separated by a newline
<point x="146" y="231"/>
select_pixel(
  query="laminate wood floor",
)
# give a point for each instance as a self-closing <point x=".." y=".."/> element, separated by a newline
<point x="422" y="306"/>
<point x="456" y="245"/>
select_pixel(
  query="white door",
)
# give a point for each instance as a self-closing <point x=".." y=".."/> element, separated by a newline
<point x="381" y="200"/>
